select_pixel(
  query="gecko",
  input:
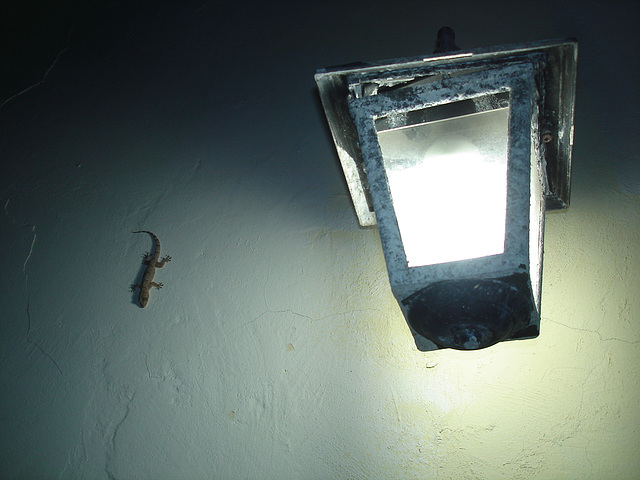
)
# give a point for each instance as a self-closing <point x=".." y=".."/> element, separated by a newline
<point x="151" y="260"/>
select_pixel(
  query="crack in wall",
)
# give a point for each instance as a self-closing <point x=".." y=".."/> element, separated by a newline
<point x="574" y="431"/>
<point x="112" y="444"/>
<point x="26" y="287"/>
<point x="596" y="332"/>
<point x="301" y="315"/>
<point x="44" y="77"/>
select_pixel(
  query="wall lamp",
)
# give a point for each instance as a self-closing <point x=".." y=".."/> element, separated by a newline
<point x="456" y="156"/>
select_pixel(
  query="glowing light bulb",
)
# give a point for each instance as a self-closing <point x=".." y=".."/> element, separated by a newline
<point x="448" y="182"/>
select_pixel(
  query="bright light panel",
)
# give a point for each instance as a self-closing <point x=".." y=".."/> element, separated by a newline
<point x="448" y="183"/>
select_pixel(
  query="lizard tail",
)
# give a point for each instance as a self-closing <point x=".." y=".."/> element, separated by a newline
<point x="155" y="239"/>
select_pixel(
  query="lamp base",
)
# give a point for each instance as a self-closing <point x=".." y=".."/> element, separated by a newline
<point x="472" y="314"/>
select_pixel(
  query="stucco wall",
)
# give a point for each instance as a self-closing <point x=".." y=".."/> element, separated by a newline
<point x="275" y="348"/>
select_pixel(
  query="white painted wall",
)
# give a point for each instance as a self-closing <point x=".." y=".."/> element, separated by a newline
<point x="275" y="349"/>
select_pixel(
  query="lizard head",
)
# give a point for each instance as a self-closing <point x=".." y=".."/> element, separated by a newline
<point x="143" y="298"/>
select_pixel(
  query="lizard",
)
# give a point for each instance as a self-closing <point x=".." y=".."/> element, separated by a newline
<point x="151" y="260"/>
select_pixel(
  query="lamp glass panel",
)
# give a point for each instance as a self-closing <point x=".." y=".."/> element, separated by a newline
<point x="447" y="171"/>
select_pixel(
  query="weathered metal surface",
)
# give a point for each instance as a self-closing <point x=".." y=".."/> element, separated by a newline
<point x="558" y="61"/>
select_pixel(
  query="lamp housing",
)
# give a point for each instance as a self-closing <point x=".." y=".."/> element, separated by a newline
<point x="455" y="157"/>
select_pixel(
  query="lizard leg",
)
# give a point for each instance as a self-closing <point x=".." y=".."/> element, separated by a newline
<point x="133" y="287"/>
<point x="157" y="285"/>
<point x="161" y="263"/>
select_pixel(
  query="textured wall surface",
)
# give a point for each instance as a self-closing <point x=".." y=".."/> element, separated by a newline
<point x="275" y="349"/>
